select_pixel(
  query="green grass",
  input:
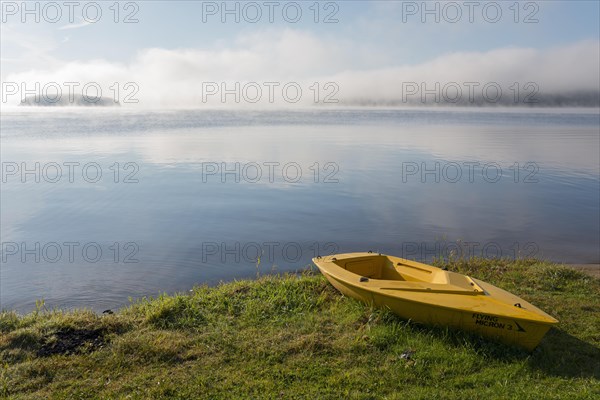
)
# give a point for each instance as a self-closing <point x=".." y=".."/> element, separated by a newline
<point x="295" y="336"/>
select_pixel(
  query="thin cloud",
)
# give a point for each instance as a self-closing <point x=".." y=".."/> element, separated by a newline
<point x="75" y="26"/>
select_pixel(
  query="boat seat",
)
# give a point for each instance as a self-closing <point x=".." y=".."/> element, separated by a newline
<point x="420" y="286"/>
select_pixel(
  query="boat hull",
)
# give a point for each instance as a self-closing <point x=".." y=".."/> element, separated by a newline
<point x="507" y="329"/>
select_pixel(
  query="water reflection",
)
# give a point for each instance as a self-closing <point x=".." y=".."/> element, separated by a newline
<point x="397" y="191"/>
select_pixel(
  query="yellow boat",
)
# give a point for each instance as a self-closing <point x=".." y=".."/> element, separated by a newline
<point x="430" y="295"/>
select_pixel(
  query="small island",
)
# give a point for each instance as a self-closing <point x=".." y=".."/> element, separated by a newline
<point x="68" y="101"/>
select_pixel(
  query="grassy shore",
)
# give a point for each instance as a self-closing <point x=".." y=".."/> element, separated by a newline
<point x="293" y="336"/>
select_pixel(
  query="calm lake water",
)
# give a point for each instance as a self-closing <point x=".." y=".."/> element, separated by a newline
<point x="101" y="205"/>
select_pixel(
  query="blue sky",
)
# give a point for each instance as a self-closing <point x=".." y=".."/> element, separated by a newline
<point x="178" y="24"/>
<point x="370" y="35"/>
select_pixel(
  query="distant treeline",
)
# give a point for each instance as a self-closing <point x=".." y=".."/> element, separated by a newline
<point x="574" y="99"/>
<point x="540" y="99"/>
